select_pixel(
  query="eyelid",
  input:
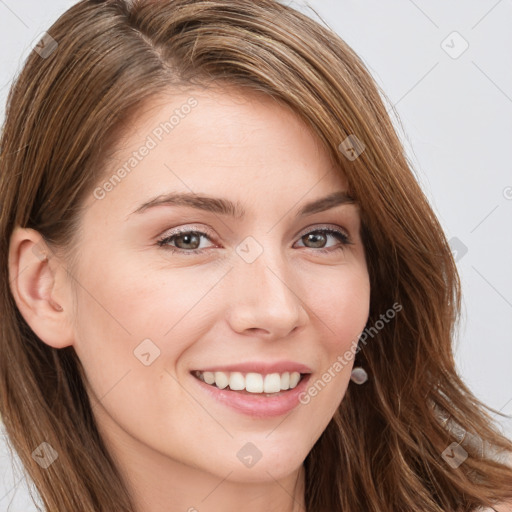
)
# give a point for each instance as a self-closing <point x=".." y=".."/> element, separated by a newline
<point x="315" y="227"/>
<point x="188" y="228"/>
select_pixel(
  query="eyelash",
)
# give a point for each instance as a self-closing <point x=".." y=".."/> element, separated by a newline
<point x="163" y="242"/>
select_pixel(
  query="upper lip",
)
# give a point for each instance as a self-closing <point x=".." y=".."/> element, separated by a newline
<point x="260" y="367"/>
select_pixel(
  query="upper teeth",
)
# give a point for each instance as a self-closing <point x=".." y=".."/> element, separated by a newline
<point x="252" y="382"/>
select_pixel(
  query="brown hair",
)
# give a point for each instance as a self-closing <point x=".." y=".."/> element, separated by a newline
<point x="382" y="450"/>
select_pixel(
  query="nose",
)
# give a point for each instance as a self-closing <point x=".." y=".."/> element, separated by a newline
<point x="263" y="300"/>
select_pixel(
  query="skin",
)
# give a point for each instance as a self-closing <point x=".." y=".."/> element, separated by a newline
<point x="175" y="445"/>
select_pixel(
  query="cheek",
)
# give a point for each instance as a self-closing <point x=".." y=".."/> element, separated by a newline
<point x="136" y="301"/>
<point x="130" y="336"/>
<point x="341" y="303"/>
<point x="325" y="392"/>
<point x="339" y="307"/>
<point x="350" y="310"/>
<point x="129" y="317"/>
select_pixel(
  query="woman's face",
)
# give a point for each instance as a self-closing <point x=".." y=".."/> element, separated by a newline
<point x="252" y="292"/>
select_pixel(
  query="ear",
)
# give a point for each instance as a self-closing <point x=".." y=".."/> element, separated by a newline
<point x="41" y="288"/>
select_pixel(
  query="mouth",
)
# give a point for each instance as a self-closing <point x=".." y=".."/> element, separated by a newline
<point x="252" y="383"/>
<point x="257" y="395"/>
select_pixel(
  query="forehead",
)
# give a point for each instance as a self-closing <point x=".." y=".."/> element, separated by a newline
<point x="213" y="141"/>
<point x="219" y="118"/>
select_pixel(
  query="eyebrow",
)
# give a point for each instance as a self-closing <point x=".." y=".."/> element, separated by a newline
<point x="227" y="207"/>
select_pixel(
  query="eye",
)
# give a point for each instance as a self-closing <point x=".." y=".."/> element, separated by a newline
<point x="319" y="237"/>
<point x="186" y="241"/>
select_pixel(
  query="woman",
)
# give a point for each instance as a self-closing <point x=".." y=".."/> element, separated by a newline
<point x="222" y="286"/>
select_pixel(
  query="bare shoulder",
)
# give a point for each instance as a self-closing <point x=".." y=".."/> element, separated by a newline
<point x="504" y="506"/>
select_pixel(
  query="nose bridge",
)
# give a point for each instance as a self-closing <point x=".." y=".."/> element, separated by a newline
<point x="262" y="292"/>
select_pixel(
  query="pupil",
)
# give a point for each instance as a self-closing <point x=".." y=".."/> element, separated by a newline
<point x="186" y="239"/>
<point x="320" y="239"/>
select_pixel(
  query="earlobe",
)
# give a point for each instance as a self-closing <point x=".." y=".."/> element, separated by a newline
<point x="38" y="283"/>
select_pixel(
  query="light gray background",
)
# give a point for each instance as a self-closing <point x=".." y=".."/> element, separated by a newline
<point x="456" y="113"/>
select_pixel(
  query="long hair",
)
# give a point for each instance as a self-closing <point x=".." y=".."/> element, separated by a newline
<point x="102" y="60"/>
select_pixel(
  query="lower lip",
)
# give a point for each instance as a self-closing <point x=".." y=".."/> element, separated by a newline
<point x="257" y="405"/>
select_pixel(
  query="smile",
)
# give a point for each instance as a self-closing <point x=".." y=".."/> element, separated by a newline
<point x="260" y="402"/>
<point x="251" y="382"/>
